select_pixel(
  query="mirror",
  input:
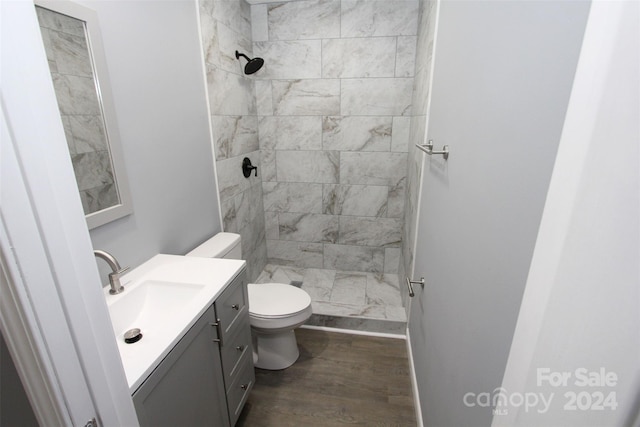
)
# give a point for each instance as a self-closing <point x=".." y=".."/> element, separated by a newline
<point x="73" y="45"/>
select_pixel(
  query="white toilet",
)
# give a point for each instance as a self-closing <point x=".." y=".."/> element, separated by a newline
<point x="275" y="309"/>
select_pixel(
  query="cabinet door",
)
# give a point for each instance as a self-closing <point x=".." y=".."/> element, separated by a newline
<point x="186" y="389"/>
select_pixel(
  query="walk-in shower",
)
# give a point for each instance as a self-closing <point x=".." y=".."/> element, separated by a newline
<point x="328" y="123"/>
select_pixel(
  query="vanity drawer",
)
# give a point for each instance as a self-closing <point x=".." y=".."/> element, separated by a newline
<point x="232" y="305"/>
<point x="235" y="349"/>
<point x="239" y="391"/>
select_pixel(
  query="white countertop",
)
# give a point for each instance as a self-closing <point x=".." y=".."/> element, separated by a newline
<point x="209" y="276"/>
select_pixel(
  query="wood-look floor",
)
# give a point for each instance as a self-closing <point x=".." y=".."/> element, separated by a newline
<point x="339" y="379"/>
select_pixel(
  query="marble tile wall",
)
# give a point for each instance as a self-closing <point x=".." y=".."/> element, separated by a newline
<point x="225" y="28"/>
<point x="334" y="105"/>
<point x="71" y="70"/>
<point x="423" y="68"/>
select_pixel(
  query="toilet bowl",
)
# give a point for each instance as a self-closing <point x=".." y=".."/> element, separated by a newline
<point x="275" y="309"/>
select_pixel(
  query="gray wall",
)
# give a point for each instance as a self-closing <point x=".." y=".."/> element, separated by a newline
<point x="226" y="27"/>
<point x="334" y="105"/>
<point x="158" y="85"/>
<point x="502" y="79"/>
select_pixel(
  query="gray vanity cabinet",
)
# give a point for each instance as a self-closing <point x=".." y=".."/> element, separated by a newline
<point x="232" y="309"/>
<point x="186" y="388"/>
<point x="206" y="378"/>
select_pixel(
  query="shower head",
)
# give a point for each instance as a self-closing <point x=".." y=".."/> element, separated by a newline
<point x="253" y="65"/>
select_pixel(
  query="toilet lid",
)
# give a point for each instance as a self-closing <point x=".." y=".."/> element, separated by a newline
<point x="276" y="300"/>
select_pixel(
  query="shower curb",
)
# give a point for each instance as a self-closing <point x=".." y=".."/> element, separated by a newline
<point x="358" y="324"/>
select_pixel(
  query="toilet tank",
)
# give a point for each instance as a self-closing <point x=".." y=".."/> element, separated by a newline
<point x="222" y="245"/>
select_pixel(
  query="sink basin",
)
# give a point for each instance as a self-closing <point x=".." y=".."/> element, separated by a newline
<point x="151" y="305"/>
<point x="163" y="298"/>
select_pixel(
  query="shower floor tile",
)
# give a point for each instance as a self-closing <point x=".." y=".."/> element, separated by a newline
<point x="346" y="299"/>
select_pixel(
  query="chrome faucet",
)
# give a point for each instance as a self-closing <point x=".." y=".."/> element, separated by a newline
<point x="114" y="276"/>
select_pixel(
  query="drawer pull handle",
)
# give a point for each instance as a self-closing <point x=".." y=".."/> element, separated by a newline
<point x="235" y="307"/>
<point x="244" y="386"/>
<point x="240" y="348"/>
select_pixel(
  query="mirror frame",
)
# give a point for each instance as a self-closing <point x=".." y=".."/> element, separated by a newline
<point x="105" y="99"/>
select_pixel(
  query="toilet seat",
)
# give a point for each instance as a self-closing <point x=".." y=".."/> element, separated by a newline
<point x="276" y="300"/>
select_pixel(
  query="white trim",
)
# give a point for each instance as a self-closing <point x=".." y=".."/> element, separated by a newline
<point x="107" y="108"/>
<point x="412" y="367"/>
<point x="33" y="320"/>
<point x="206" y="96"/>
<point x="414" y="383"/>
<point x="354" y="332"/>
<point x="411" y="273"/>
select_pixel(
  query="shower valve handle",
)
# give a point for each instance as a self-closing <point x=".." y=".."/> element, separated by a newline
<point x="247" y="167"/>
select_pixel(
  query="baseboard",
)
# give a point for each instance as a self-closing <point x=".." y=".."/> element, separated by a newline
<point x="414" y="384"/>
<point x="354" y="332"/>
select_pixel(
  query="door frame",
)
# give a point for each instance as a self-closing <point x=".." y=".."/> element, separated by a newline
<point x="54" y="316"/>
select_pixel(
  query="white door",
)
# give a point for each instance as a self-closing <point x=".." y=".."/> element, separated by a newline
<point x="577" y="341"/>
<point x="53" y="314"/>
<point x="502" y="78"/>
